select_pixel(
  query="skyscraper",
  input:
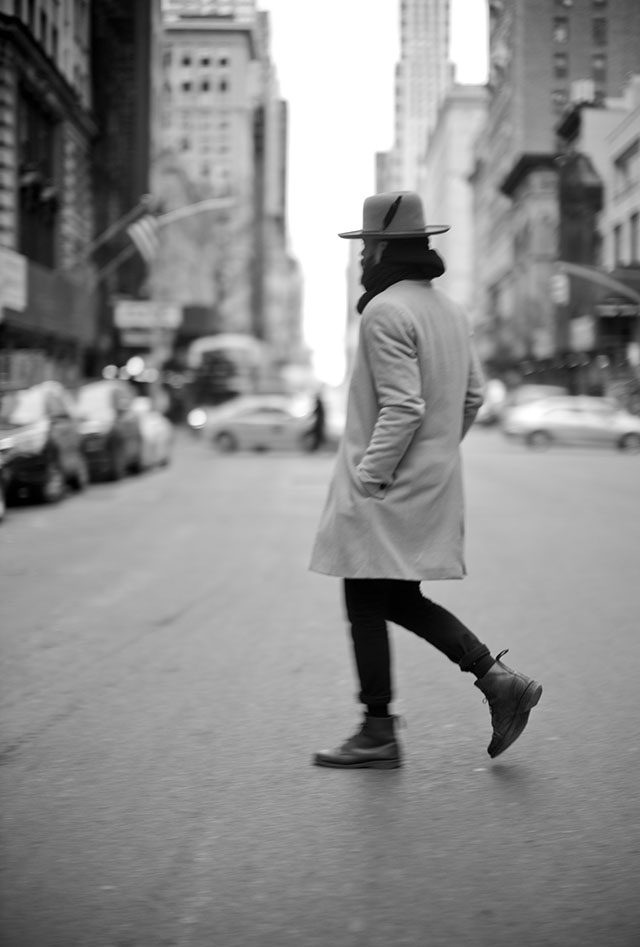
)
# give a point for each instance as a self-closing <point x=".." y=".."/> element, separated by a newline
<point x="423" y="77"/>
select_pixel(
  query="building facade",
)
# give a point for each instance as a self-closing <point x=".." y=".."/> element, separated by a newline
<point x="543" y="58"/>
<point x="448" y="195"/>
<point x="224" y="137"/>
<point x="47" y="126"/>
<point x="74" y="148"/>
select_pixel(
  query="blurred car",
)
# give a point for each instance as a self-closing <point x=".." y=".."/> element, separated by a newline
<point x="3" y="504"/>
<point x="258" y="422"/>
<point x="525" y="394"/>
<point x="110" y="429"/>
<point x="580" y="420"/>
<point x="156" y="431"/>
<point x="493" y="402"/>
<point x="40" y="442"/>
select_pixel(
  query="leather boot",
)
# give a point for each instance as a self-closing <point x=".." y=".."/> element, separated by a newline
<point x="374" y="746"/>
<point x="510" y="696"/>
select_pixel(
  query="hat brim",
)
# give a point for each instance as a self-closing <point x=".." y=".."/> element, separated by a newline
<point x="402" y="235"/>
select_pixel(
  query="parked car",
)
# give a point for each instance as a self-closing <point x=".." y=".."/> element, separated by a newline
<point x="110" y="429"/>
<point x="3" y="504"/>
<point x="579" y="420"/>
<point x="258" y="422"/>
<point x="493" y="402"/>
<point x="157" y="433"/>
<point x="41" y="442"/>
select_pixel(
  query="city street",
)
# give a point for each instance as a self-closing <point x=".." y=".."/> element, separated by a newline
<point x="169" y="665"/>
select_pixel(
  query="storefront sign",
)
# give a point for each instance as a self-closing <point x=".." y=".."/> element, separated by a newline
<point x="13" y="280"/>
<point x="145" y="314"/>
<point x="145" y="338"/>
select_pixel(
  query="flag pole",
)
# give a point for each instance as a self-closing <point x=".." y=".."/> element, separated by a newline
<point x="110" y="232"/>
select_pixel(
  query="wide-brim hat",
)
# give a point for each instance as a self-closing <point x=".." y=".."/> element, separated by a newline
<point x="394" y="215"/>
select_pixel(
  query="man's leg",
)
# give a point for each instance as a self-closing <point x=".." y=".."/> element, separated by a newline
<point x="409" y="608"/>
<point x="366" y="604"/>
<point x="375" y="744"/>
<point x="510" y="695"/>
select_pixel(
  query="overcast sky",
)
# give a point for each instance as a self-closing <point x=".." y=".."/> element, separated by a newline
<point x="335" y="62"/>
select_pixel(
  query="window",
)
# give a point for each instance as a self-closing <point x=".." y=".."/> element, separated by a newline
<point x="186" y="60"/>
<point x="560" y="65"/>
<point x="560" y="30"/>
<point x="634" y="238"/>
<point x="599" y="31"/>
<point x="205" y="85"/>
<point x="38" y="198"/>
<point x="186" y="87"/>
<point x="205" y="61"/>
<point x="599" y="68"/>
<point x="627" y="169"/>
<point x="617" y="244"/>
<point x="223" y="61"/>
<point x="223" y="86"/>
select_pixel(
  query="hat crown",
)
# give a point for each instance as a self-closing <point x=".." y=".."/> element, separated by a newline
<point x="394" y="215"/>
<point x="393" y="212"/>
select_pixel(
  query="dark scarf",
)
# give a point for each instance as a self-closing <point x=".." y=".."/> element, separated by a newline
<point x="401" y="259"/>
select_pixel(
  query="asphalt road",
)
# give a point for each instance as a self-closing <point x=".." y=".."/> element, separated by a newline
<point x="169" y="665"/>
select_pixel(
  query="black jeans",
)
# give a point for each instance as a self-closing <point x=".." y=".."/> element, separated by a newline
<point x="371" y="603"/>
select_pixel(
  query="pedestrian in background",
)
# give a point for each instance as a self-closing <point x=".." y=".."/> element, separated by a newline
<point x="394" y="513"/>
<point x="319" y="421"/>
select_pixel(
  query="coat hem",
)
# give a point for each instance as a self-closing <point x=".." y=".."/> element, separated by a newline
<point x="433" y="575"/>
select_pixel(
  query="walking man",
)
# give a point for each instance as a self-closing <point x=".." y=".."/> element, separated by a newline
<point x="394" y="513"/>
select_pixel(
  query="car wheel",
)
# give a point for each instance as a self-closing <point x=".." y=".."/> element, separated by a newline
<point x="538" y="439"/>
<point x="54" y="485"/>
<point x="118" y="464"/>
<point x="308" y="442"/>
<point x="630" y="443"/>
<point x="226" y="442"/>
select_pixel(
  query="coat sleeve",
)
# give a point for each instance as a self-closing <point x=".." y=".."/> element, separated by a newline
<point x="389" y="342"/>
<point x="474" y="394"/>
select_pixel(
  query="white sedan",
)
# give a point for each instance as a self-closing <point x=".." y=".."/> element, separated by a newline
<point x="579" y="420"/>
<point x="157" y="434"/>
<point x="257" y="422"/>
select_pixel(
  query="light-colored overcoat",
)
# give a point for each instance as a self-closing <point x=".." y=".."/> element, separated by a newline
<point x="395" y="508"/>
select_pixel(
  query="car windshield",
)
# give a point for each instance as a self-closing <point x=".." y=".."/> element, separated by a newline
<point x="21" y="407"/>
<point x="95" y="402"/>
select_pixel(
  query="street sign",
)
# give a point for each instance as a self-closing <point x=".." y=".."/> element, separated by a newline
<point x="582" y="334"/>
<point x="146" y="314"/>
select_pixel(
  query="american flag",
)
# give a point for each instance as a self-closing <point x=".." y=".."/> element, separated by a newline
<point x="144" y="234"/>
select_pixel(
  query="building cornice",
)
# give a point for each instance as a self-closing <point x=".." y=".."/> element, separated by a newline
<point x="525" y="164"/>
<point x="213" y="24"/>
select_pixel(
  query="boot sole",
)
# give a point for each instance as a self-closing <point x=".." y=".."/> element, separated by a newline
<point x="364" y="764"/>
<point x="528" y="701"/>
